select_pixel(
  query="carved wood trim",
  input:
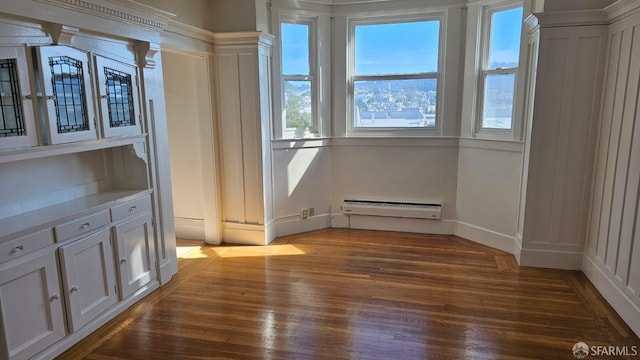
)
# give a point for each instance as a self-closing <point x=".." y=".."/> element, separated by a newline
<point x="129" y="12"/>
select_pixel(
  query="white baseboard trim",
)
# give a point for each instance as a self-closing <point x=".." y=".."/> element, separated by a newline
<point x="517" y="248"/>
<point x="552" y="259"/>
<point x="187" y="228"/>
<point x="247" y="234"/>
<point x="382" y="223"/>
<point x="619" y="298"/>
<point x="484" y="236"/>
<point x="287" y="226"/>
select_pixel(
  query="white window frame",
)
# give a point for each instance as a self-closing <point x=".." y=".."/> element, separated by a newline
<point x="484" y="72"/>
<point x="280" y="124"/>
<point x="352" y="130"/>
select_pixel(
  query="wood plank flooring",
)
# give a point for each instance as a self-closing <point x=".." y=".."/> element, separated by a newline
<point x="353" y="294"/>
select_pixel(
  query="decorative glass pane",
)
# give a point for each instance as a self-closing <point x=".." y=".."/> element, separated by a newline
<point x="398" y="48"/>
<point x="119" y="98"/>
<point x="69" y="91"/>
<point x="498" y="101"/>
<point x="298" y="104"/>
<point x="11" y="116"/>
<point x="504" y="48"/>
<point x="295" y="49"/>
<point x="395" y="103"/>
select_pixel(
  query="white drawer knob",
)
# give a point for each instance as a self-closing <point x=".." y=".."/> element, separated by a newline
<point x="133" y="208"/>
<point x="17" y="249"/>
<point x="85" y="225"/>
<point x="73" y="289"/>
<point x="54" y="297"/>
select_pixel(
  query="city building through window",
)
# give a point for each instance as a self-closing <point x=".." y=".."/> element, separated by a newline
<point x="395" y="78"/>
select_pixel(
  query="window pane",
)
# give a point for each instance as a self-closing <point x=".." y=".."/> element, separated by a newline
<point x="68" y="91"/>
<point x="504" y="50"/>
<point x="400" y="48"/>
<point x="395" y="103"/>
<point x="298" y="104"/>
<point x="295" y="49"/>
<point x="119" y="98"/>
<point x="11" y="117"/>
<point x="498" y="101"/>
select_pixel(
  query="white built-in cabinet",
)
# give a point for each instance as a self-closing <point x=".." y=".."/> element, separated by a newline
<point x="88" y="275"/>
<point x="134" y="249"/>
<point x="78" y="196"/>
<point x="31" y="305"/>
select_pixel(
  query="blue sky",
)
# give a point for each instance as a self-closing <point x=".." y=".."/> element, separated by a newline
<point x="295" y="49"/>
<point x="505" y="41"/>
<point x="400" y="48"/>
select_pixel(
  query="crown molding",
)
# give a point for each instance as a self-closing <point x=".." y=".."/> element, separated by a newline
<point x="572" y="18"/>
<point x="125" y="11"/>
<point x="622" y="9"/>
<point x="181" y="37"/>
<point x="242" y="38"/>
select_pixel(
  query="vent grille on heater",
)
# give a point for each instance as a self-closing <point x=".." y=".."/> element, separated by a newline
<point x="392" y="209"/>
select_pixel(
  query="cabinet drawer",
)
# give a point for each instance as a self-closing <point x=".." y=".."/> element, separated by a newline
<point x="82" y="225"/>
<point x="25" y="244"/>
<point x="130" y="208"/>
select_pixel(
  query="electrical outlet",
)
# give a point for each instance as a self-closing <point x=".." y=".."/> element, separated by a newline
<point x="304" y="213"/>
<point x="312" y="212"/>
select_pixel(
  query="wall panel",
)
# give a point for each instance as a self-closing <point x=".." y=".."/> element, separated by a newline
<point x="563" y="132"/>
<point x="613" y="254"/>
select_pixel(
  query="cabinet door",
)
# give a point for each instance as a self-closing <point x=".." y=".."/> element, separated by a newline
<point x="118" y="94"/>
<point x="66" y="86"/>
<point x="88" y="278"/>
<point x="17" y="123"/>
<point x="135" y="254"/>
<point x="30" y="307"/>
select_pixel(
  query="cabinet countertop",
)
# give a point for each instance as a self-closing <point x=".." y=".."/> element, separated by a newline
<point x="50" y="216"/>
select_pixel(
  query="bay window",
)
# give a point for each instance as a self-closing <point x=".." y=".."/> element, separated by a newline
<point x="395" y="74"/>
<point x="297" y="84"/>
<point x="498" y="69"/>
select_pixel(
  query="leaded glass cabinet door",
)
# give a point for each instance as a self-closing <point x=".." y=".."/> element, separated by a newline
<point x="67" y="94"/>
<point x="118" y="93"/>
<point x="17" y="122"/>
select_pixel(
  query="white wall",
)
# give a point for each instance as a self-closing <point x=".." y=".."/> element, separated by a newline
<point x="415" y="170"/>
<point x="612" y="259"/>
<point x="198" y="13"/>
<point x="235" y="15"/>
<point x="302" y="179"/>
<point x="187" y="106"/>
<point x="488" y="192"/>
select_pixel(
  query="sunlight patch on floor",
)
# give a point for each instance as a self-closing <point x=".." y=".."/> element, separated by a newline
<point x="185" y="247"/>
<point x="197" y="253"/>
<point x="254" y="251"/>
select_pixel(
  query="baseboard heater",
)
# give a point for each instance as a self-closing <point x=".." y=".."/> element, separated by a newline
<point x="392" y="209"/>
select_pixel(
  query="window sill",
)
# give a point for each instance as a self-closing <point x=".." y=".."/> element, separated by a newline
<point x="492" y="144"/>
<point x="434" y="141"/>
<point x="284" y="144"/>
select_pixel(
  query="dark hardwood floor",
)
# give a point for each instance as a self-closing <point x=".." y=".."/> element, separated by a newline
<point x="350" y="294"/>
